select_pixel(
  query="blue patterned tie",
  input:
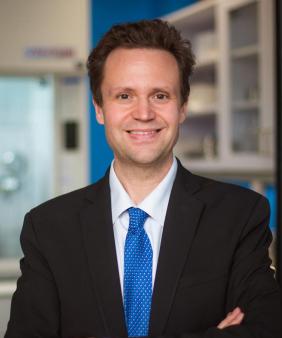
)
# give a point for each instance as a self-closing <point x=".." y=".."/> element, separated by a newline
<point x="138" y="256"/>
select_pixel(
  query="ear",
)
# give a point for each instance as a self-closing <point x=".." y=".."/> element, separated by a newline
<point x="99" y="112"/>
<point x="183" y="112"/>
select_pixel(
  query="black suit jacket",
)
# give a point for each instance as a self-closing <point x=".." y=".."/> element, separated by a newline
<point x="213" y="257"/>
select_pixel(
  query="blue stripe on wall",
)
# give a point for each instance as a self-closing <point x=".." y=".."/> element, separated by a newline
<point x="104" y="14"/>
<point x="271" y="194"/>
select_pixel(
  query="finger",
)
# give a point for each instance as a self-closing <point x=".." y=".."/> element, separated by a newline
<point x="236" y="311"/>
<point x="232" y="315"/>
<point x="224" y="323"/>
<point x="230" y="318"/>
<point x="231" y="321"/>
<point x="238" y="320"/>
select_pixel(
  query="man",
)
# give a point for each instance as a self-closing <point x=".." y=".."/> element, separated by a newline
<point x="151" y="249"/>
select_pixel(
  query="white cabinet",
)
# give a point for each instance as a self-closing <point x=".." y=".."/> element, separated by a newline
<point x="44" y="36"/>
<point x="229" y="129"/>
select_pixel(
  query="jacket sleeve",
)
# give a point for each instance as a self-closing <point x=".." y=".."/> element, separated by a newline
<point x="251" y="286"/>
<point x="35" y="304"/>
<point x="35" y="310"/>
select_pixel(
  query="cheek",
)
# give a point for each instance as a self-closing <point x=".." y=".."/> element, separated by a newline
<point x="114" y="124"/>
<point x="175" y="120"/>
<point x="112" y="120"/>
<point x="118" y="119"/>
<point x="173" y="114"/>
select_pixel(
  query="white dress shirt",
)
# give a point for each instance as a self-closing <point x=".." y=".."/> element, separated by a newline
<point x="155" y="205"/>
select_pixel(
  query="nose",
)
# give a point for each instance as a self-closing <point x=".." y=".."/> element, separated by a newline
<point x="143" y="110"/>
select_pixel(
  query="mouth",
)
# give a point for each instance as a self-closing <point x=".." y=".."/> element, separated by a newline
<point x="143" y="132"/>
<point x="143" y="135"/>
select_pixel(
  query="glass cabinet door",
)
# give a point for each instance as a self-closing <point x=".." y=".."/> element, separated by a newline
<point x="26" y="152"/>
<point x="245" y="76"/>
<point x="198" y="139"/>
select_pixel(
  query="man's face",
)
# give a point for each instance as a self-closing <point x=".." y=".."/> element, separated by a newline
<point x="141" y="107"/>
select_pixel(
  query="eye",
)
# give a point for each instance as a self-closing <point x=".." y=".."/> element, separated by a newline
<point x="161" y="96"/>
<point x="123" y="96"/>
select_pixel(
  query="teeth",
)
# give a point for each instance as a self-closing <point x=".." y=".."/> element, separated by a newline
<point x="142" y="132"/>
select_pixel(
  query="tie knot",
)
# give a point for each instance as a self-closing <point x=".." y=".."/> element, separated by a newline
<point x="137" y="218"/>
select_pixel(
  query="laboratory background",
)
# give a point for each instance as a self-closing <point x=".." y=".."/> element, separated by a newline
<point x="50" y="143"/>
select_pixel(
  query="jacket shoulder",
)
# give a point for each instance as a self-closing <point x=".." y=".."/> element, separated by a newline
<point x="212" y="190"/>
<point x="71" y="202"/>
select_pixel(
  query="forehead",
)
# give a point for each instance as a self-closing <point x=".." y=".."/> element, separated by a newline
<point x="140" y="64"/>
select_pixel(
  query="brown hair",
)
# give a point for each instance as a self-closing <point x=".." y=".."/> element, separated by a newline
<point x="153" y="34"/>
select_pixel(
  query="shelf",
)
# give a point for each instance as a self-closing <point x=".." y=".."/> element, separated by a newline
<point x="9" y="268"/>
<point x="246" y="51"/>
<point x="7" y="288"/>
<point x="241" y="165"/>
<point x="208" y="63"/>
<point x="204" y="111"/>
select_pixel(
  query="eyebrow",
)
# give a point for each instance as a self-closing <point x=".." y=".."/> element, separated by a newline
<point x="161" y="89"/>
<point x="117" y="89"/>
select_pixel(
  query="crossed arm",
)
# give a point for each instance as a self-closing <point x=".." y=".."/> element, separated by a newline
<point x="252" y="297"/>
<point x="234" y="317"/>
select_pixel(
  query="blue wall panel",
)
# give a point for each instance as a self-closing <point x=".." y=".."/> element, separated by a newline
<point x="271" y="194"/>
<point x="103" y="15"/>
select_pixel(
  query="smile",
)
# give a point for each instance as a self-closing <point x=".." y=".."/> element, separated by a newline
<point x="143" y="132"/>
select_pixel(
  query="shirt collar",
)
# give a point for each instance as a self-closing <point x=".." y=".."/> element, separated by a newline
<point x="120" y="200"/>
<point x="155" y="204"/>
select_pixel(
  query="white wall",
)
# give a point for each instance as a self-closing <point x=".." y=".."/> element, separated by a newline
<point x="4" y="314"/>
<point x="45" y="24"/>
<point x="50" y="25"/>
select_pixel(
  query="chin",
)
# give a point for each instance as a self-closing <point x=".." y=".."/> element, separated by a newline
<point x="143" y="160"/>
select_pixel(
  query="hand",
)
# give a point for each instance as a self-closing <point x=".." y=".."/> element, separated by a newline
<point x="233" y="318"/>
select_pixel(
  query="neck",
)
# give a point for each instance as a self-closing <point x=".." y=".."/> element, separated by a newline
<point x="139" y="181"/>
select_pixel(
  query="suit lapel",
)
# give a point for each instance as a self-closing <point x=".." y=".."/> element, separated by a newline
<point x="182" y="218"/>
<point x="99" y="243"/>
